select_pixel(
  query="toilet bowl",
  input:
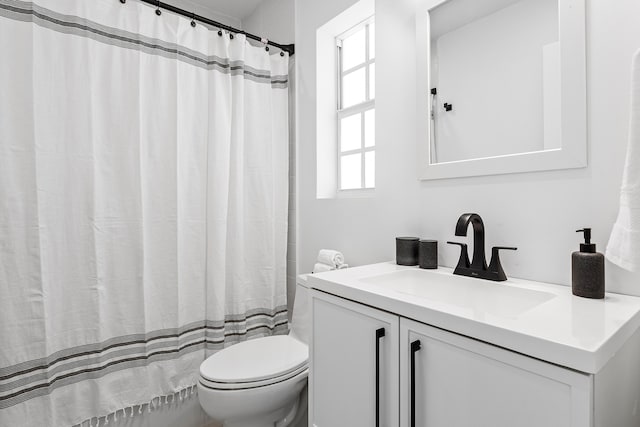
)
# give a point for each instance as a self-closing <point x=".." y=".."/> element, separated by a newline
<point x="258" y="383"/>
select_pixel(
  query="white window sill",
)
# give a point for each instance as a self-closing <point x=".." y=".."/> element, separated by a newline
<point x="361" y="193"/>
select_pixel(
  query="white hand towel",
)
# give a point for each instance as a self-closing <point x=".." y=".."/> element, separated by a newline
<point x="331" y="257"/>
<point x="624" y="244"/>
<point x="320" y="267"/>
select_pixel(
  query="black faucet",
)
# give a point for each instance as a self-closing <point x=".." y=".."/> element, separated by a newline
<point x="478" y="266"/>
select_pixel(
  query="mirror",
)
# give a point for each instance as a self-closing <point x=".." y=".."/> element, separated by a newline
<point x="501" y="86"/>
<point x="495" y="77"/>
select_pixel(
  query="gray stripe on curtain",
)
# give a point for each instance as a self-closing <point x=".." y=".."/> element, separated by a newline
<point x="29" y="12"/>
<point x="228" y="325"/>
<point x="74" y="372"/>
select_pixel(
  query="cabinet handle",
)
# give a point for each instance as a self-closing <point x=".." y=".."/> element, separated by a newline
<point x="379" y="334"/>
<point x="415" y="346"/>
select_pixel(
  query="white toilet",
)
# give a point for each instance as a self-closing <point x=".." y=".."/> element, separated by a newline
<point x="258" y="383"/>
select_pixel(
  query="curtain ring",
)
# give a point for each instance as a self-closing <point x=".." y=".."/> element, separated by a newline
<point x="220" y="33"/>
<point x="123" y="1"/>
<point x="231" y="36"/>
<point x="193" y="19"/>
<point x="158" y="11"/>
<point x="281" y="53"/>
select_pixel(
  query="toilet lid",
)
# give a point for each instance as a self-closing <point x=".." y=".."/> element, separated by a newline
<point x="294" y="376"/>
<point x="255" y="360"/>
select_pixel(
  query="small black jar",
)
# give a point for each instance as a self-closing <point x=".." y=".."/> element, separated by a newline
<point x="428" y="254"/>
<point x="407" y="250"/>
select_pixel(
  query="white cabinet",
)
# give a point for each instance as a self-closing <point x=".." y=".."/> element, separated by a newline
<point x="461" y="382"/>
<point x="347" y="354"/>
<point x="458" y="381"/>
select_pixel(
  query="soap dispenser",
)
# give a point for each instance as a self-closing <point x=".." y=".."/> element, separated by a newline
<point x="587" y="269"/>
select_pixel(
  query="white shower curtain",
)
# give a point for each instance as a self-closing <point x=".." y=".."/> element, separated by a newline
<point x="143" y="205"/>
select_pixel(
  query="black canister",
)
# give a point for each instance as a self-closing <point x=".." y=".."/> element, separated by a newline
<point x="428" y="254"/>
<point x="407" y="250"/>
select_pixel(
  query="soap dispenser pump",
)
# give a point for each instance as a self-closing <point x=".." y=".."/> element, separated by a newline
<point x="587" y="269"/>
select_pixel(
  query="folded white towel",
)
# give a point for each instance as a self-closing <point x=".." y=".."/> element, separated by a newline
<point x="320" y="267"/>
<point x="624" y="244"/>
<point x="331" y="257"/>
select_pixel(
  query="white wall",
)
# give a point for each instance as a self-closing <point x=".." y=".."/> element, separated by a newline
<point x="537" y="212"/>
<point x="208" y="12"/>
<point x="491" y="70"/>
<point x="274" y="20"/>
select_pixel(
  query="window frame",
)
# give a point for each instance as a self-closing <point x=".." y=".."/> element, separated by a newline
<point x="357" y="109"/>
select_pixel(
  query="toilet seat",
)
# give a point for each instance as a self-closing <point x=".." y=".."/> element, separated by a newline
<point x="302" y="371"/>
<point x="255" y="363"/>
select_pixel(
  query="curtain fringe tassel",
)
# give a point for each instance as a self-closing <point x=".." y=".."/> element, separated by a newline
<point x="181" y="395"/>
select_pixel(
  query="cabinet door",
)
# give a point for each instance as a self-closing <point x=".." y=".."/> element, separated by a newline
<point x="347" y="353"/>
<point x="461" y="382"/>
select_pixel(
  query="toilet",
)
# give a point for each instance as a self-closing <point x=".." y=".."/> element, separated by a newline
<point x="258" y="383"/>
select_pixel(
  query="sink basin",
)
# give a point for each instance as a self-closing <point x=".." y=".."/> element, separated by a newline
<point x="480" y="296"/>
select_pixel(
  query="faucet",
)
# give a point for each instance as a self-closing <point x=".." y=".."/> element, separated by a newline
<point x="478" y="265"/>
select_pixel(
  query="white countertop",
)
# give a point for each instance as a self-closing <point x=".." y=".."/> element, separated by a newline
<point x="578" y="333"/>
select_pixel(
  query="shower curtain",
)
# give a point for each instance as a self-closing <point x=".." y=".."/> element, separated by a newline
<point x="143" y="205"/>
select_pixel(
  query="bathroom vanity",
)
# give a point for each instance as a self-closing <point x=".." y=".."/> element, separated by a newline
<point x="400" y="346"/>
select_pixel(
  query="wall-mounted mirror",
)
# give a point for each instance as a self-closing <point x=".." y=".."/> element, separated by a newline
<point x="501" y="86"/>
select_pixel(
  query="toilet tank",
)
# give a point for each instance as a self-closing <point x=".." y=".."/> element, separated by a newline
<point x="300" y="325"/>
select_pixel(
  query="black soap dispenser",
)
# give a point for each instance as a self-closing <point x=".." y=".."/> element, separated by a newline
<point x="587" y="269"/>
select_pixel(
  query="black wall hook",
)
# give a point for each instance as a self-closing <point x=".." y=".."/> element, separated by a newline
<point x="447" y="106"/>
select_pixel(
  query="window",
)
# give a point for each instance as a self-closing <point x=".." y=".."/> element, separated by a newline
<point x="356" y="107"/>
<point x="345" y="62"/>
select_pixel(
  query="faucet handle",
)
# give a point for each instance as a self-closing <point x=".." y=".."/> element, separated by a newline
<point x="463" y="262"/>
<point x="495" y="266"/>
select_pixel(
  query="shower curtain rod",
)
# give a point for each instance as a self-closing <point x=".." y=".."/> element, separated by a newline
<point x="290" y="48"/>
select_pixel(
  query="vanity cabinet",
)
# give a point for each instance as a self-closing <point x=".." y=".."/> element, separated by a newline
<point x="354" y="360"/>
<point x="429" y="377"/>
<point x="461" y="382"/>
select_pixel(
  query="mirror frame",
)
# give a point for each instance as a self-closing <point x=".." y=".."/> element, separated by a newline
<point x="573" y="108"/>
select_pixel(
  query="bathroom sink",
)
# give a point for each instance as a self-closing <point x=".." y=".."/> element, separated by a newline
<point x="481" y="297"/>
<point x="542" y="320"/>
